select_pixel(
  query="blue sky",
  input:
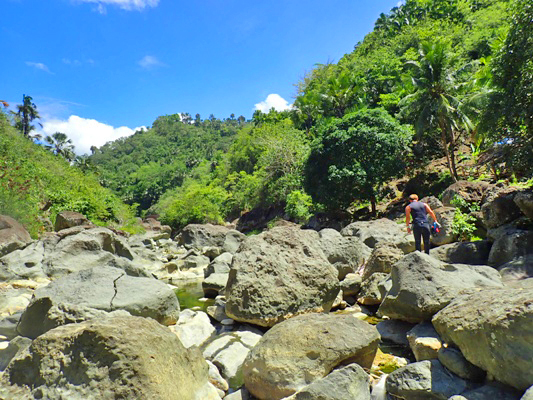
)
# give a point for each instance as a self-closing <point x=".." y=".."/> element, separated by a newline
<point x="97" y="69"/>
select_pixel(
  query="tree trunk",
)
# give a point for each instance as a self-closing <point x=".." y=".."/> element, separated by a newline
<point x="446" y="151"/>
<point x="452" y="158"/>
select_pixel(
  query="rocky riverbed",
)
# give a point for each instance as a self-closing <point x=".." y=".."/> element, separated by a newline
<point x="88" y="312"/>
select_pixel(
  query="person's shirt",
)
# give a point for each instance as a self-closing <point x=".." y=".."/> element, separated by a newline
<point x="418" y="213"/>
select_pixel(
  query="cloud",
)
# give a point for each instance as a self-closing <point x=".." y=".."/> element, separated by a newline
<point x="124" y="4"/>
<point x="149" y="62"/>
<point x="86" y="132"/>
<point x="275" y="101"/>
<point x="40" y="66"/>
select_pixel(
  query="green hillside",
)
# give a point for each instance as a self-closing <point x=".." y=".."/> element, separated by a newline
<point x="35" y="185"/>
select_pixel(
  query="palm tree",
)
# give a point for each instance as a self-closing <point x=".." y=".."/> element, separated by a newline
<point x="60" y="145"/>
<point x="434" y="103"/>
<point x="26" y="113"/>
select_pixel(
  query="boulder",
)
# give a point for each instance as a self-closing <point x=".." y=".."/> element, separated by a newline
<point x="370" y="294"/>
<point x="154" y="229"/>
<point x="228" y="352"/>
<point x="198" y="236"/>
<point x="394" y="331"/>
<point x="422" y="285"/>
<point x="445" y="217"/>
<point x="67" y="251"/>
<point x="15" y="346"/>
<point x="510" y="242"/>
<point x="381" y="259"/>
<point x="432" y="202"/>
<point x="425" y="380"/>
<point x="232" y="241"/>
<point x="121" y="357"/>
<point x="304" y="349"/>
<point x="424" y="341"/>
<point x="70" y="219"/>
<point x="350" y="382"/>
<point x="13" y="235"/>
<point x="345" y="253"/>
<point x="351" y="285"/>
<point x="518" y="269"/>
<point x="100" y="288"/>
<point x="475" y="253"/>
<point x="471" y="192"/>
<point x="454" y="360"/>
<point x="8" y="325"/>
<point x="498" y="206"/>
<point x="193" y="328"/>
<point x="215" y="378"/>
<point x="524" y="201"/>
<point x="214" y="284"/>
<point x="278" y="274"/>
<point x="13" y="300"/>
<point x="381" y="231"/>
<point x="493" y="328"/>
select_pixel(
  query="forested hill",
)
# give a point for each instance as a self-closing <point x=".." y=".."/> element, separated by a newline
<point x="434" y="77"/>
<point x="141" y="167"/>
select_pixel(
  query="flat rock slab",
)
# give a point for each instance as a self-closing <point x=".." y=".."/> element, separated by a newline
<point x="102" y="288"/>
<point x="493" y="328"/>
<point x="422" y="286"/>
<point x="304" y="349"/>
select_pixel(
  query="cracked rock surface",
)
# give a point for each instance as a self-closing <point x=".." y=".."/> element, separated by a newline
<point x="80" y="296"/>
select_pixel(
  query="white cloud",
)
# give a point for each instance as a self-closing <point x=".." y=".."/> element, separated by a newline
<point x="275" y="101"/>
<point x="86" y="132"/>
<point x="149" y="62"/>
<point x="40" y="66"/>
<point x="124" y="4"/>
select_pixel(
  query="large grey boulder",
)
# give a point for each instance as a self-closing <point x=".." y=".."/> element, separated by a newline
<point x="524" y="201"/>
<point x="382" y="258"/>
<point x="471" y="192"/>
<point x="306" y="348"/>
<point x="278" y="274"/>
<point x="101" y="288"/>
<point x="425" y="380"/>
<point x="208" y="236"/>
<point x="350" y="382"/>
<point x="424" y="341"/>
<point x="422" y="285"/>
<point x="493" y="328"/>
<point x="70" y="219"/>
<point x="490" y="391"/>
<point x="510" y="242"/>
<point x="345" y="253"/>
<point x="382" y="230"/>
<point x="475" y="253"/>
<point x="498" y="206"/>
<point x="517" y="269"/>
<point x="13" y="235"/>
<point x="121" y="357"/>
<point x="67" y="251"/>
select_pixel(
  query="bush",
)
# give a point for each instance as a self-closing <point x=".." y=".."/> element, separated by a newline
<point x="299" y="205"/>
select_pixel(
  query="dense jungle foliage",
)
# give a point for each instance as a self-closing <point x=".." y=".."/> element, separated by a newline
<point x="434" y="77"/>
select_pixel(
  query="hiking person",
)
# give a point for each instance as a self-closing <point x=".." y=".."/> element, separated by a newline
<point x="419" y="212"/>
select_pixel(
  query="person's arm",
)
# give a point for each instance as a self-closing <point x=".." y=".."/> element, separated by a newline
<point x="430" y="212"/>
<point x="408" y="218"/>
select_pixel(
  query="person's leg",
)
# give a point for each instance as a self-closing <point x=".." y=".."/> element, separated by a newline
<point x="417" y="234"/>
<point x="426" y="235"/>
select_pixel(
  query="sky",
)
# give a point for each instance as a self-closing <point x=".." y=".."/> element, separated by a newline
<point x="99" y="69"/>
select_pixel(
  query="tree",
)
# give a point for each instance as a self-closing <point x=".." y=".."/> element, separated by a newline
<point x="25" y="115"/>
<point x="434" y="105"/>
<point x="353" y="156"/>
<point x="60" y="145"/>
<point x="509" y="115"/>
